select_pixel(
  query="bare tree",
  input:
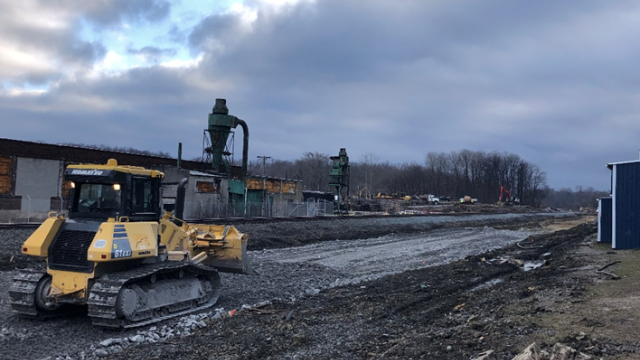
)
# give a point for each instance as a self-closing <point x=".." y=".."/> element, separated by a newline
<point x="481" y="175"/>
<point x="454" y="174"/>
<point x="572" y="199"/>
<point x="121" y="149"/>
<point x="313" y="168"/>
<point x="368" y="162"/>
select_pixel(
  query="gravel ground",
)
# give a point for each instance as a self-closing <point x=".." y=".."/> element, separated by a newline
<point x="325" y="256"/>
<point x="485" y="302"/>
<point x="293" y="273"/>
<point x="287" y="234"/>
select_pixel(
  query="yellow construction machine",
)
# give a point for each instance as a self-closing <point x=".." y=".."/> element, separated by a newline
<point x="119" y="258"/>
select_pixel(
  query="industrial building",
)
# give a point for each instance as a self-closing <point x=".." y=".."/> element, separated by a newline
<point x="32" y="183"/>
<point x="621" y="219"/>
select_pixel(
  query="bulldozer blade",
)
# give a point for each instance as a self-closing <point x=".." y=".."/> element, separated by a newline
<point x="231" y="259"/>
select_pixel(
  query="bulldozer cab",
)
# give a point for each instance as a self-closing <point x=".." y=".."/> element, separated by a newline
<point x="107" y="191"/>
<point x="98" y="198"/>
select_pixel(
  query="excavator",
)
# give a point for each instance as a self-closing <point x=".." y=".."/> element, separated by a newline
<point x="118" y="258"/>
<point x="504" y="193"/>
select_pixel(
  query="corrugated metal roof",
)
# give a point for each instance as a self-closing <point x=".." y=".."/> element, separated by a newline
<point x="315" y="192"/>
<point x="200" y="173"/>
<point x="272" y="178"/>
<point x="610" y="165"/>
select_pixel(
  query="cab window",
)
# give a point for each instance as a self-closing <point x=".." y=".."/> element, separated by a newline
<point x="98" y="198"/>
<point x="143" y="200"/>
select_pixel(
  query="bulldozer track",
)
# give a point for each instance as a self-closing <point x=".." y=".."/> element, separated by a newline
<point x="104" y="294"/>
<point x="22" y="294"/>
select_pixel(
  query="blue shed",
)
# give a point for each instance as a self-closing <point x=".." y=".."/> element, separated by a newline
<point x="604" y="220"/>
<point x="625" y="204"/>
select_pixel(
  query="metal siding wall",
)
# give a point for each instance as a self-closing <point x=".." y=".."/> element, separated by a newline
<point x="627" y="206"/>
<point x="37" y="181"/>
<point x="599" y="212"/>
<point x="605" y="221"/>
<point x="614" y="205"/>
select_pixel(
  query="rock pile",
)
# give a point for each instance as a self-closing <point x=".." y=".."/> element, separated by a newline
<point x="184" y="327"/>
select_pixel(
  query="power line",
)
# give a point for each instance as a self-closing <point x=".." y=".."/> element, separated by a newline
<point x="264" y="162"/>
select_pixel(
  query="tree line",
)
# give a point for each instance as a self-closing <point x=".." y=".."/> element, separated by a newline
<point x="481" y="174"/>
<point x="120" y="149"/>
<point x="456" y="174"/>
<point x="573" y="199"/>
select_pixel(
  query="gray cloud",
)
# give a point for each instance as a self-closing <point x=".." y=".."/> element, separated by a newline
<point x="550" y="81"/>
<point x="430" y="73"/>
<point x="178" y="35"/>
<point x="49" y="32"/>
<point x="32" y="39"/>
<point x="115" y="12"/>
<point x="153" y="54"/>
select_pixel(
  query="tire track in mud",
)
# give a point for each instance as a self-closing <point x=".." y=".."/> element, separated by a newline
<point x="355" y="261"/>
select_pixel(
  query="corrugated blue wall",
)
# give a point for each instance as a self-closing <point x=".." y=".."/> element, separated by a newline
<point x="627" y="206"/>
<point x="605" y="220"/>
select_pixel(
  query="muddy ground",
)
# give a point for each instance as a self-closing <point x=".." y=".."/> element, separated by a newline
<point x="452" y="311"/>
<point x="288" y="234"/>
<point x="281" y="234"/>
<point x="442" y="310"/>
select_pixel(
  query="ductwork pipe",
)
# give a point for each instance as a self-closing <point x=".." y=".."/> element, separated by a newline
<point x="180" y="198"/>
<point x="245" y="148"/>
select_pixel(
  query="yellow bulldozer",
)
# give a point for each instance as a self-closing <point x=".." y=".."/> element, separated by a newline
<point x="119" y="258"/>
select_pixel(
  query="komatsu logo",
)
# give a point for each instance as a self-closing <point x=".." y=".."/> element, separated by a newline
<point x="86" y="172"/>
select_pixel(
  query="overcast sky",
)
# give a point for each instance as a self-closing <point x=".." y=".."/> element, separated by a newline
<point x="556" y="82"/>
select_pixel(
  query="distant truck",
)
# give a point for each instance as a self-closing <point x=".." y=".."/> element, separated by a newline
<point x="432" y="199"/>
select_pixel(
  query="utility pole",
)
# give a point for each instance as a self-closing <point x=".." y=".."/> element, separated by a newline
<point x="264" y="162"/>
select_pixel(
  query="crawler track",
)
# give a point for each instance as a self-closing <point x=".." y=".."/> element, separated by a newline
<point x="104" y="295"/>
<point x="22" y="294"/>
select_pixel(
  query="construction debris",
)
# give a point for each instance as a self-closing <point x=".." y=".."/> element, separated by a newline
<point x="531" y="352"/>
<point x="525" y="265"/>
<point x="486" y="355"/>
<point x="558" y="352"/>
<point x="563" y="352"/>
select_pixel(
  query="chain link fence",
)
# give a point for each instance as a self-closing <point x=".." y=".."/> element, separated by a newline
<point x="264" y="209"/>
<point x="215" y="209"/>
